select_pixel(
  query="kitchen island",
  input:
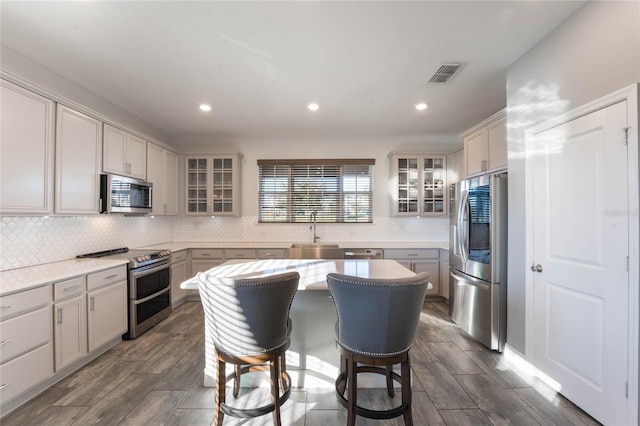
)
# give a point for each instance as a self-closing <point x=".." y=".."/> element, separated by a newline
<point x="312" y="358"/>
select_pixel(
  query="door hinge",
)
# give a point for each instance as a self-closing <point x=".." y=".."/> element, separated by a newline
<point x="626" y="392"/>
<point x="626" y="135"/>
<point x="627" y="263"/>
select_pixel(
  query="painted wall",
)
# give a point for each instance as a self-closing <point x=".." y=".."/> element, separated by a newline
<point x="595" y="52"/>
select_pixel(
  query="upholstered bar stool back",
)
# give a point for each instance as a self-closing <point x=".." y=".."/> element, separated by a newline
<point x="377" y="323"/>
<point x="248" y="320"/>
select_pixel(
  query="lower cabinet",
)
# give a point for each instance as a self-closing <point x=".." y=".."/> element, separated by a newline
<point x="26" y="371"/>
<point x="70" y="321"/>
<point x="43" y="339"/>
<point x="419" y="260"/>
<point x="26" y="341"/>
<point x="107" y="315"/>
<point x="178" y="275"/>
<point x="202" y="260"/>
<point x="444" y="273"/>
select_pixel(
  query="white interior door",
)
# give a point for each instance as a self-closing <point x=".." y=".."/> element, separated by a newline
<point x="580" y="228"/>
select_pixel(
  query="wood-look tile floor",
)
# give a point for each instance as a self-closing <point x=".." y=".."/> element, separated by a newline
<point x="157" y="380"/>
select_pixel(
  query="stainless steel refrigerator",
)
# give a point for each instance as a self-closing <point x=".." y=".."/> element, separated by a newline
<point x="478" y="258"/>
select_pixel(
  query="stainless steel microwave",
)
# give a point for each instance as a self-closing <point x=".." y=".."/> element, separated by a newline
<point x="120" y="194"/>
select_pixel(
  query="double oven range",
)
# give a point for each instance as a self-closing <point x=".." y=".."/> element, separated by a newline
<point x="149" y="286"/>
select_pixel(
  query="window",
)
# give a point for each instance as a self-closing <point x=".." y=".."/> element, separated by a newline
<point x="335" y="191"/>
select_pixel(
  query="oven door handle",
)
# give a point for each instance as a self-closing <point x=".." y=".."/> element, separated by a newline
<point x="164" y="290"/>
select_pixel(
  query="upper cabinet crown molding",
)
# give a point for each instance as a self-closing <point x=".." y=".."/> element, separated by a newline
<point x="27" y="145"/>
<point x="485" y="145"/>
<point x="123" y="153"/>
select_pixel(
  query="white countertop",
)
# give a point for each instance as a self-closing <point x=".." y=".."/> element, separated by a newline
<point x="313" y="272"/>
<point x="15" y="280"/>
<point x="183" y="245"/>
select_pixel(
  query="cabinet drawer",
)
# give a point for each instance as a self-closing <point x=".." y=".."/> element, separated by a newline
<point x="15" y="304"/>
<point x="26" y="371"/>
<point x="69" y="288"/>
<point x="110" y="276"/>
<point x="239" y="254"/>
<point x="271" y="254"/>
<point x="206" y="253"/>
<point x="24" y="333"/>
<point x="179" y="256"/>
<point x="411" y="253"/>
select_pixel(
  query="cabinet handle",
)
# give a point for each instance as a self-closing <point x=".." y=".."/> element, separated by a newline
<point x="93" y="303"/>
<point x="2" y="308"/>
<point x="269" y="255"/>
<point x="4" y="342"/>
<point x="412" y="254"/>
<point x="110" y="276"/>
<point x="205" y="254"/>
<point x="4" y="386"/>
<point x="60" y="316"/>
<point x="75" y="287"/>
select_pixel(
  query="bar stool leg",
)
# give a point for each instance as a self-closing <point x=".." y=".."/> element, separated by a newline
<point x="236" y="380"/>
<point x="405" y="372"/>
<point x="275" y="390"/>
<point x="343" y="370"/>
<point x="389" y="370"/>
<point x="283" y="369"/>
<point x="352" y="375"/>
<point x="220" y="391"/>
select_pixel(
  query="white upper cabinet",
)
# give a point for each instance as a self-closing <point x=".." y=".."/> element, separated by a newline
<point x="78" y="148"/>
<point x="419" y="182"/>
<point x="162" y="171"/>
<point x="124" y="154"/>
<point x="456" y="169"/>
<point x="27" y="146"/>
<point x="213" y="185"/>
<point x="485" y="146"/>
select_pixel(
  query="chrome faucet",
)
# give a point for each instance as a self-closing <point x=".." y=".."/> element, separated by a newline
<point x="314" y="227"/>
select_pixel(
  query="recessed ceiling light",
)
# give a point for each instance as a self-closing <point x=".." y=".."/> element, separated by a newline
<point x="421" y="106"/>
<point x="313" y="106"/>
<point x="205" y="107"/>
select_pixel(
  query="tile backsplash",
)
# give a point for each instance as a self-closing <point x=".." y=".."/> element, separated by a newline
<point x="28" y="241"/>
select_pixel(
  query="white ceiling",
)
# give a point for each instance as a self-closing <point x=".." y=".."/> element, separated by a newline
<point x="259" y="63"/>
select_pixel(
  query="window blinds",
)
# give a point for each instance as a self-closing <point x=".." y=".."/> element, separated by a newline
<point x="336" y="191"/>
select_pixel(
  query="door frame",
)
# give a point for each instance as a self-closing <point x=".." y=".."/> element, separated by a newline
<point x="630" y="94"/>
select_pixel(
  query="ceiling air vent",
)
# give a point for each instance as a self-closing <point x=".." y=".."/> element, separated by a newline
<point x="445" y="73"/>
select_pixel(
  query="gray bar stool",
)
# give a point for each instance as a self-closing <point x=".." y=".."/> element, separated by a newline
<point x="377" y="322"/>
<point x="250" y="324"/>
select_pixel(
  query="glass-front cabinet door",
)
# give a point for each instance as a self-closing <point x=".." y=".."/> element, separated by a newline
<point x="433" y="175"/>
<point x="197" y="185"/>
<point x="419" y="184"/>
<point x="222" y="185"/>
<point x="213" y="185"/>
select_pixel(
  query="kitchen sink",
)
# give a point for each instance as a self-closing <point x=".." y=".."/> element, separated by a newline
<point x="315" y="251"/>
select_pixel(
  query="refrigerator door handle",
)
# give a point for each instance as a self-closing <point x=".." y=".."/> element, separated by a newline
<point x="468" y="279"/>
<point x="463" y="226"/>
